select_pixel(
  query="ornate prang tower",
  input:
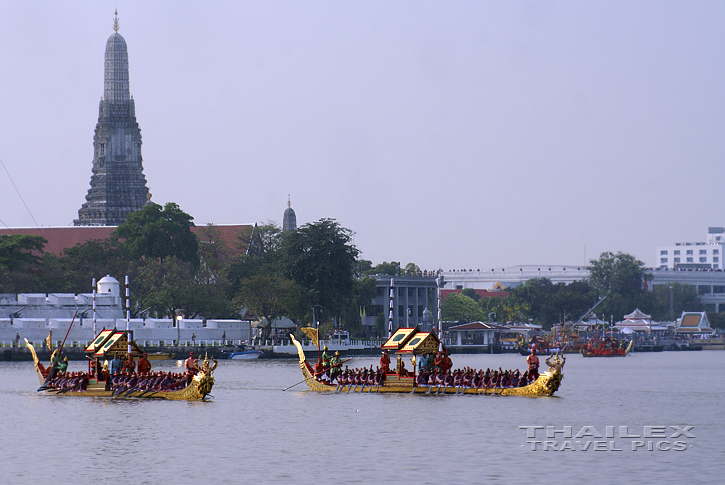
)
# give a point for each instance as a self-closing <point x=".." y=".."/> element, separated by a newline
<point x="118" y="185"/>
<point x="289" y="221"/>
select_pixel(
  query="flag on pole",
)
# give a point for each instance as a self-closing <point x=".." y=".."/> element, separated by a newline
<point x="313" y="334"/>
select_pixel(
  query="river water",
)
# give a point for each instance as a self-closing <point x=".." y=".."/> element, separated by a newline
<point x="253" y="432"/>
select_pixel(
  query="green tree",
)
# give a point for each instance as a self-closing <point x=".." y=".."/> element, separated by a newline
<point x="176" y="288"/>
<point x="684" y="298"/>
<point x="460" y="308"/>
<point x="412" y="268"/>
<point x="392" y="269"/>
<point x="621" y="277"/>
<point x="21" y="263"/>
<point x="363" y="292"/>
<point x="269" y="296"/>
<point x="320" y="257"/>
<point x="21" y="251"/>
<point x="156" y="232"/>
<point x="471" y="293"/>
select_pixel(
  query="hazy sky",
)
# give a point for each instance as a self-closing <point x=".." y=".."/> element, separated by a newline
<point x="450" y="134"/>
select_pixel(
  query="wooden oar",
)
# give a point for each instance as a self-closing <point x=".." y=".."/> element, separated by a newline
<point x="303" y="380"/>
<point x="52" y="371"/>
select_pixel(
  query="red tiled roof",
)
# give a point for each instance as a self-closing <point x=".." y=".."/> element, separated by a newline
<point x="475" y="326"/>
<point x="61" y="238"/>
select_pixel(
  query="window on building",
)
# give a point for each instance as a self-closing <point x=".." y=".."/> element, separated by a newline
<point x="663" y="252"/>
<point x="689" y="260"/>
<point x="718" y="289"/>
<point x="663" y="260"/>
<point x="677" y="252"/>
<point x="715" y="259"/>
<point x="677" y="260"/>
<point x="715" y="251"/>
<point x="702" y="289"/>
<point x="689" y="252"/>
<point x="703" y="251"/>
<point x="703" y="259"/>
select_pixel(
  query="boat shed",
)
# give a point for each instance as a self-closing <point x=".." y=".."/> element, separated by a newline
<point x="693" y="322"/>
<point x="474" y="333"/>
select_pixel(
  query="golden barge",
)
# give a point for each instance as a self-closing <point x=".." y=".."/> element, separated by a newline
<point x="408" y="342"/>
<point x="97" y="382"/>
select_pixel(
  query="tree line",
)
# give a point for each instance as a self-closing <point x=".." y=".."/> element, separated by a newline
<point x="311" y="274"/>
<point x="176" y="272"/>
<point x="618" y="280"/>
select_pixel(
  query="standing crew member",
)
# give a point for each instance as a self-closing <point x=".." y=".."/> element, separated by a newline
<point x="533" y="362"/>
<point x="144" y="366"/>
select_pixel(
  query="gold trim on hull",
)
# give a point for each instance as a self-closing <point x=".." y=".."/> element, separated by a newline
<point x="546" y="385"/>
<point x="199" y="387"/>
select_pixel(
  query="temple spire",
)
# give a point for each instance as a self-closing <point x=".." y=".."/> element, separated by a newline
<point x="115" y="22"/>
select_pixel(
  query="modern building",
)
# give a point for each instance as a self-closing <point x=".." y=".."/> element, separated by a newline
<point x="118" y="185"/>
<point x="415" y="301"/>
<point x="694" y="255"/>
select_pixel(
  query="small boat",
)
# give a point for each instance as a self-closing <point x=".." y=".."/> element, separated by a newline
<point x="411" y="342"/>
<point x="608" y="352"/>
<point x="245" y="354"/>
<point x="96" y="382"/>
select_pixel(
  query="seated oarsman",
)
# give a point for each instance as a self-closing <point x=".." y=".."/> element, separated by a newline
<point x="457" y="378"/>
<point x="448" y="379"/>
<point x="371" y="376"/>
<point x="524" y="379"/>
<point x="379" y="376"/>
<point x="493" y="382"/>
<point x="467" y="378"/>
<point x="422" y="379"/>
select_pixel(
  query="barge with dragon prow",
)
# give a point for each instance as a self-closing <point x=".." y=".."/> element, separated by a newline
<point x="431" y="372"/>
<point x="108" y="376"/>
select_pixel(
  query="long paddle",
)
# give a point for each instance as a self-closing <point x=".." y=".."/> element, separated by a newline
<point x="312" y="376"/>
<point x="52" y="372"/>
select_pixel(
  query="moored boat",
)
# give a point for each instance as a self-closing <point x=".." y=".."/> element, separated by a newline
<point x="422" y="347"/>
<point x="245" y="355"/>
<point x="603" y="352"/>
<point x="98" y="381"/>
